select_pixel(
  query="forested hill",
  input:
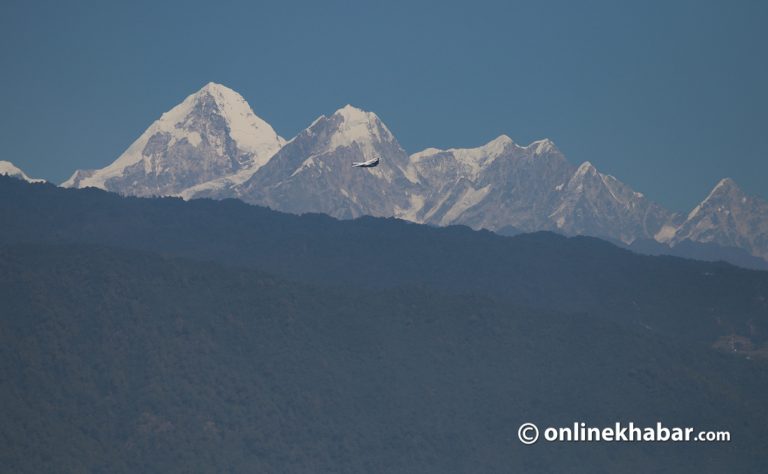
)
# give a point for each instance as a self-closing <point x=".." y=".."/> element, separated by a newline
<point x="705" y="303"/>
<point x="119" y="361"/>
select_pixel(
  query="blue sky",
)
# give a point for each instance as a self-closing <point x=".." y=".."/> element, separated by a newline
<point x="668" y="96"/>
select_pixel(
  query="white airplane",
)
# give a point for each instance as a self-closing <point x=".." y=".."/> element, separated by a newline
<point x="366" y="164"/>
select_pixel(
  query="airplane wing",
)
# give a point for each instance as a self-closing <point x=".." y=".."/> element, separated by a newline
<point x="366" y="164"/>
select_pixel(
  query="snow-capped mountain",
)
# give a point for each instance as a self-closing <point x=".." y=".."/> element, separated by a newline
<point x="496" y="185"/>
<point x="502" y="184"/>
<point x="212" y="134"/>
<point x="593" y="203"/>
<point x="212" y="145"/>
<point x="9" y="169"/>
<point x="313" y="172"/>
<point x="727" y="217"/>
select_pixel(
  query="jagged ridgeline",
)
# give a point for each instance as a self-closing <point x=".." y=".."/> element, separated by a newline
<point x="158" y="335"/>
<point x="213" y="145"/>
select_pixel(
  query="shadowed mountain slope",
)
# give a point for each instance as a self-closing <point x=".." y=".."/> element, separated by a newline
<point x="694" y="301"/>
<point x="120" y="361"/>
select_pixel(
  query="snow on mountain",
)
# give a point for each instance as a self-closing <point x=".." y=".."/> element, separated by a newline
<point x="9" y="169"/>
<point x="212" y="145"/>
<point x="467" y="161"/>
<point x="496" y="185"/>
<point x="359" y="128"/>
<point x="530" y="188"/>
<point x="730" y="218"/>
<point x="313" y="172"/>
<point x="212" y="134"/>
<point x="593" y="203"/>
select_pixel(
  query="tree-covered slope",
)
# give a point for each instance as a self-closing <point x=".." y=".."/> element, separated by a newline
<point x="700" y="302"/>
<point x="121" y="361"/>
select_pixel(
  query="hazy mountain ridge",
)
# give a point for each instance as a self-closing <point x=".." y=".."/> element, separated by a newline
<point x="172" y="366"/>
<point x="500" y="183"/>
<point x="578" y="274"/>
<point x="9" y="169"/>
<point x="497" y="186"/>
<point x="728" y="217"/>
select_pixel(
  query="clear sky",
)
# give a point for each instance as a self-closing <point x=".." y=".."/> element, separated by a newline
<point x="668" y="96"/>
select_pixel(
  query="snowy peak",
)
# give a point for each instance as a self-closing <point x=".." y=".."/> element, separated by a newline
<point x="9" y="169"/>
<point x="215" y="88"/>
<point x="313" y="172"/>
<point x="473" y="161"/>
<point x="211" y="134"/>
<point x="497" y="146"/>
<point x="593" y="203"/>
<point x="586" y="169"/>
<point x="726" y="187"/>
<point x="501" y="140"/>
<point x="353" y="114"/>
<point x="587" y="179"/>
<point x="493" y="149"/>
<point x="353" y="125"/>
<point x="251" y="133"/>
<point x="348" y="131"/>
<point x="541" y="147"/>
<point x="730" y="218"/>
<point x="439" y="167"/>
<point x="213" y="145"/>
<point x="723" y="196"/>
<point x="726" y="183"/>
<point x="499" y="184"/>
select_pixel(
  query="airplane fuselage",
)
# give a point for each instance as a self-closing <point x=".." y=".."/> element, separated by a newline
<point x="366" y="164"/>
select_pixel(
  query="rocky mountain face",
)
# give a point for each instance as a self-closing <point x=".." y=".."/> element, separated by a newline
<point x="314" y="173"/>
<point x="9" y="169"/>
<point x="212" y="145"/>
<point x="495" y="186"/>
<point x="492" y="186"/>
<point x="593" y="203"/>
<point x="212" y="134"/>
<point x="728" y="217"/>
<point x="531" y="188"/>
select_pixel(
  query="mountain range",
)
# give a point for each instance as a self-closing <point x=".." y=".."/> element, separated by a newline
<point x="212" y="145"/>
<point x="164" y="319"/>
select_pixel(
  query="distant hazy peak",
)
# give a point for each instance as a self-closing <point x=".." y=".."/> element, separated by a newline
<point x="542" y="146"/>
<point x="499" y="143"/>
<point x="9" y="169"/>
<point x="586" y="168"/>
<point x="725" y="185"/>
<point x="216" y="88"/>
<point x="725" y="190"/>
<point x="494" y="147"/>
<point x="352" y="113"/>
<point x="730" y="218"/>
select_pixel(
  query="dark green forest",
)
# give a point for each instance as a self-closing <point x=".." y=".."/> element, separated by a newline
<point x="156" y="335"/>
